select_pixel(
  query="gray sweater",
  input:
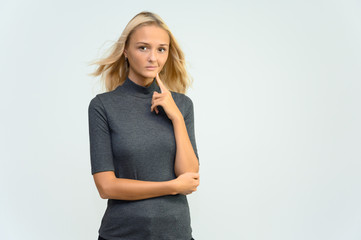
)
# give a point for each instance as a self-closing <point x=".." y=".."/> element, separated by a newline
<point x="135" y="143"/>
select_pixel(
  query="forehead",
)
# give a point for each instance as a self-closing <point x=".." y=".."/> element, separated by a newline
<point x="151" y="34"/>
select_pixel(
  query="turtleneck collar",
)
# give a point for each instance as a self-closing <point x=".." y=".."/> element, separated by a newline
<point x="130" y="87"/>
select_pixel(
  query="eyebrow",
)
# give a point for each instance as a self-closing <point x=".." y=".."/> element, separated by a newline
<point x="163" y="44"/>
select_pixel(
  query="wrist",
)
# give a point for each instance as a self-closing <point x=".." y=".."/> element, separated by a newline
<point x="173" y="187"/>
<point x="178" y="118"/>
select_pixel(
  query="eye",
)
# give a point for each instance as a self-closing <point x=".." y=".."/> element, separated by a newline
<point x="163" y="49"/>
<point x="142" y="47"/>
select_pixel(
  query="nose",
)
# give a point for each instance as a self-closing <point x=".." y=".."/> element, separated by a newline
<point x="152" y="56"/>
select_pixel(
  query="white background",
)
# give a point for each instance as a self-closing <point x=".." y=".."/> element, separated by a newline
<point x="277" y="111"/>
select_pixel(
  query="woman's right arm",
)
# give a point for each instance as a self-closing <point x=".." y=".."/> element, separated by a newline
<point x="110" y="187"/>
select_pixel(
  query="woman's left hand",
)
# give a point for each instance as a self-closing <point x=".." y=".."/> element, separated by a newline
<point x="165" y="100"/>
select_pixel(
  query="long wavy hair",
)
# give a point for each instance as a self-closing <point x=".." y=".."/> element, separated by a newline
<point x="114" y="68"/>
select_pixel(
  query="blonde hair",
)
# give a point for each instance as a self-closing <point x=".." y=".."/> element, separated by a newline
<point x="114" y="68"/>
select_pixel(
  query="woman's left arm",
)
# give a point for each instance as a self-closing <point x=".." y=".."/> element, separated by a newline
<point x="186" y="159"/>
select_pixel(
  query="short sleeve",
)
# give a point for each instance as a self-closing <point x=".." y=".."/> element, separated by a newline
<point x="189" y="121"/>
<point x="101" y="154"/>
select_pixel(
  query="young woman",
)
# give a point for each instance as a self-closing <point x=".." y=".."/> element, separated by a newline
<point x="143" y="150"/>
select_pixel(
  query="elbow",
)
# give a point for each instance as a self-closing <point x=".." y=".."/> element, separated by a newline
<point x="197" y="167"/>
<point x="104" y="191"/>
<point x="103" y="196"/>
<point x="194" y="167"/>
<point x="104" y="182"/>
<point x="195" y="170"/>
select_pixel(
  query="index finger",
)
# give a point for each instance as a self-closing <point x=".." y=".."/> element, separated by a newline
<point x="163" y="88"/>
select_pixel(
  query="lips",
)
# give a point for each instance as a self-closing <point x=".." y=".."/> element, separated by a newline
<point x="151" y="68"/>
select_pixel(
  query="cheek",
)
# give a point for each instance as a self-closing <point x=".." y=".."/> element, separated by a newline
<point x="138" y="59"/>
<point x="163" y="60"/>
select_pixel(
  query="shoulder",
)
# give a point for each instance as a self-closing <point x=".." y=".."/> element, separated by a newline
<point x="184" y="102"/>
<point x="95" y="102"/>
<point x="181" y="97"/>
<point x="96" y="108"/>
<point x="101" y="99"/>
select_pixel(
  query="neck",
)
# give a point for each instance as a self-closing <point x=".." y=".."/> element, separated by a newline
<point x="130" y="87"/>
<point x="140" y="80"/>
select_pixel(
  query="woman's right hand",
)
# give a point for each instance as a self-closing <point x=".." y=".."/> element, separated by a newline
<point x="186" y="183"/>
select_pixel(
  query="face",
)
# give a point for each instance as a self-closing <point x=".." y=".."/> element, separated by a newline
<point x="148" y="46"/>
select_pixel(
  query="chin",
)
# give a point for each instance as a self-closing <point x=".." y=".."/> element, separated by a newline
<point x="150" y="75"/>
